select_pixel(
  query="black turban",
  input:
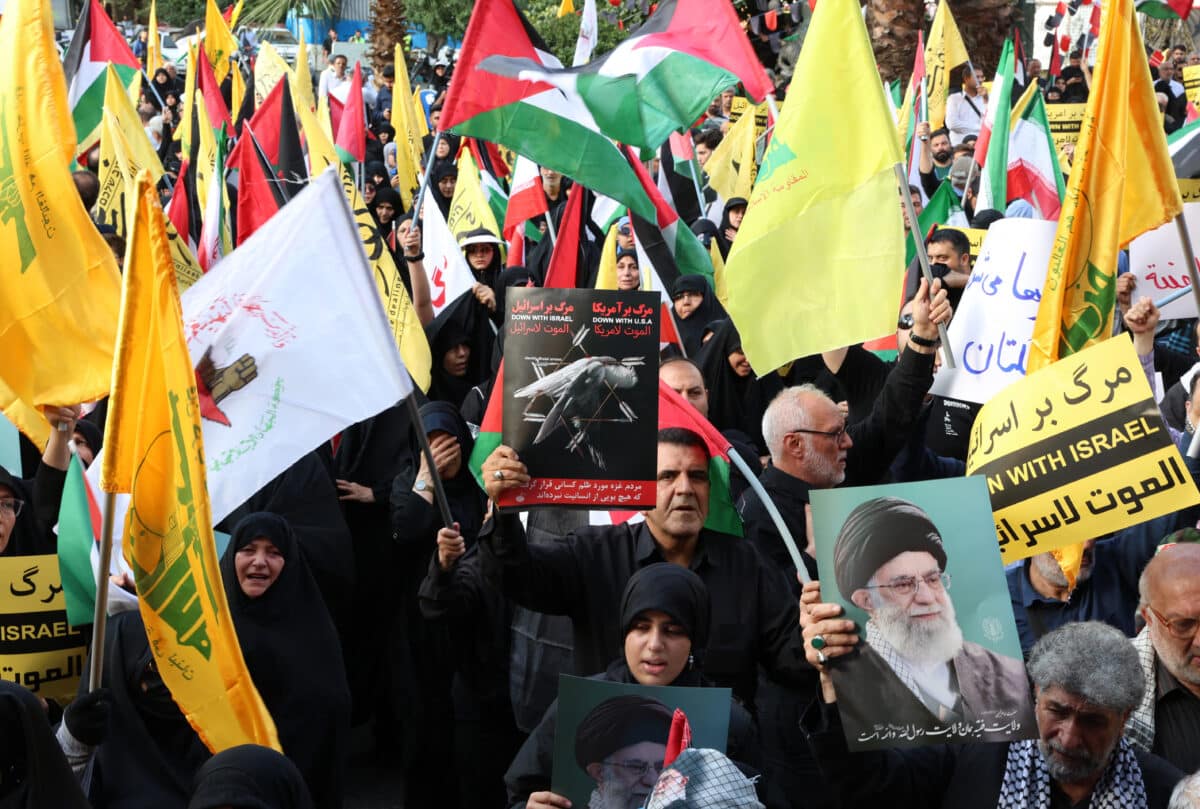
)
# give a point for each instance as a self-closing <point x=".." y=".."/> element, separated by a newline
<point x="620" y="722"/>
<point x="877" y="531"/>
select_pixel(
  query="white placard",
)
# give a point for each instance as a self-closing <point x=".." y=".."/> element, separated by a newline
<point x="1156" y="260"/>
<point x="991" y="330"/>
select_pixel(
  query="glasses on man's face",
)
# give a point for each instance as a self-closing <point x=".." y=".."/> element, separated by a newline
<point x="636" y="767"/>
<point x="907" y="586"/>
<point x="11" y="506"/>
<point x="1182" y="628"/>
<point x="836" y="435"/>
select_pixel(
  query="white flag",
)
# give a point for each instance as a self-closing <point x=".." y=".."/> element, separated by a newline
<point x="290" y="342"/>
<point x="587" y="35"/>
<point x="447" y="268"/>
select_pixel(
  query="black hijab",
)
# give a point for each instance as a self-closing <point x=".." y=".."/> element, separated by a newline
<point x="294" y="658"/>
<point x="678" y="592"/>
<point x="27" y="536"/>
<point x="691" y="328"/>
<point x="734" y="402"/>
<point x="33" y="772"/>
<point x="722" y="242"/>
<point x="386" y="193"/>
<point x="440" y="171"/>
<point x="152" y="753"/>
<point x="250" y="777"/>
<point x="466" y="499"/>
<point x="463" y="321"/>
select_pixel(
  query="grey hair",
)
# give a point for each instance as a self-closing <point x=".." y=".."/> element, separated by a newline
<point x="1187" y="793"/>
<point x="1093" y="661"/>
<point x="785" y="413"/>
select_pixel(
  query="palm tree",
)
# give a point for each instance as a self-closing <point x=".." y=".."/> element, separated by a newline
<point x="388" y="26"/>
<point x="893" y="26"/>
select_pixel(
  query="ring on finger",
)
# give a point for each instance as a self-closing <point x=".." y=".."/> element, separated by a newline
<point x="498" y="475"/>
<point x="818" y="642"/>
<point x="821" y="658"/>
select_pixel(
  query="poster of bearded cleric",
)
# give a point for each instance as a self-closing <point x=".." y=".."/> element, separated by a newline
<point x="581" y="396"/>
<point x="916" y="566"/>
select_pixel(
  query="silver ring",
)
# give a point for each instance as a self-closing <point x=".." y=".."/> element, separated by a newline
<point x="498" y="475"/>
<point x="821" y="658"/>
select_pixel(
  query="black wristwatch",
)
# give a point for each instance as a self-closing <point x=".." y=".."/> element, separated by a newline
<point x="415" y="259"/>
<point x="924" y="343"/>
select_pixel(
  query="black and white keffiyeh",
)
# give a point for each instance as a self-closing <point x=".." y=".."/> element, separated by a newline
<point x="1026" y="782"/>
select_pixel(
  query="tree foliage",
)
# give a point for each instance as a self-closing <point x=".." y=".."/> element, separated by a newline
<point x="561" y="33"/>
<point x="440" y="18"/>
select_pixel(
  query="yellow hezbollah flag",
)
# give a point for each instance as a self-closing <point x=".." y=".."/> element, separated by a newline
<point x="606" y="276"/>
<point x="419" y="111"/>
<point x="234" y="17"/>
<point x="237" y="91"/>
<point x="304" y="74"/>
<point x="59" y="284"/>
<point x="120" y="115"/>
<point x="154" y="59"/>
<point x="1122" y="184"/>
<point x="183" y="132"/>
<point x="269" y="69"/>
<point x="406" y="326"/>
<point x="468" y="207"/>
<point x="409" y="148"/>
<point x="219" y="43"/>
<point x="154" y="451"/>
<point x="720" y="279"/>
<point x="566" y="7"/>
<point x="731" y="166"/>
<point x="826" y="191"/>
<point x="944" y="51"/>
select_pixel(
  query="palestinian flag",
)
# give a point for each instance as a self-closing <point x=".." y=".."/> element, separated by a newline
<point x="992" y="152"/>
<point x="260" y="193"/>
<point x="491" y="169"/>
<point x="1170" y="10"/>
<point x="661" y="78"/>
<point x="673" y="411"/>
<point x="96" y="44"/>
<point x="565" y="260"/>
<point x="351" y="141"/>
<point x="550" y="127"/>
<point x="686" y="256"/>
<point x="78" y="530"/>
<point x="1033" y="171"/>
<point x="679" y="176"/>
<point x="943" y="208"/>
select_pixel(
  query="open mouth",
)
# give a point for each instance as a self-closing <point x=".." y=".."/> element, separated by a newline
<point x="654" y="667"/>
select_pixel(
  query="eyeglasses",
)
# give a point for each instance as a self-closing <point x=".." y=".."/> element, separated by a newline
<point x="907" y="586"/>
<point x="1182" y="628"/>
<point x="905" y="322"/>
<point x="836" y="435"/>
<point x="12" y="506"/>
<point x="636" y="767"/>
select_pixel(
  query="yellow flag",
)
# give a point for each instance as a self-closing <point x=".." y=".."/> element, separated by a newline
<point x="566" y="7"/>
<point x="720" y="280"/>
<point x="731" y="167"/>
<point x="120" y="116"/>
<point x="469" y="209"/>
<point x="944" y="51"/>
<point x="904" y="113"/>
<point x="1122" y="184"/>
<point x="408" y="136"/>
<point x="419" y="110"/>
<point x="606" y="276"/>
<point x="219" y="43"/>
<point x="59" y="283"/>
<point x="237" y="91"/>
<point x="154" y="59"/>
<point x="233" y="18"/>
<point x="154" y="451"/>
<point x="826" y="191"/>
<point x="183" y="132"/>
<point x="269" y="68"/>
<point x="406" y="326"/>
<point x="323" y="118"/>
<point x="1022" y="103"/>
<point x="304" y="74"/>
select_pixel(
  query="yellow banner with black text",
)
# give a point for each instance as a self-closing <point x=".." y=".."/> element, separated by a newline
<point x="38" y="648"/>
<point x="1076" y="451"/>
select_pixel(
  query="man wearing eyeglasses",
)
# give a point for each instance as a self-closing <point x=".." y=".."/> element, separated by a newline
<point x="914" y="669"/>
<point x="620" y="744"/>
<point x="1167" y="722"/>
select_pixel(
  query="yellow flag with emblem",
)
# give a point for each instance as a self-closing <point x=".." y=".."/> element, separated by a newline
<point x="154" y="451"/>
<point x="269" y="69"/>
<point x="154" y="58"/>
<point x="469" y="209"/>
<point x="408" y="136"/>
<point x="606" y="276"/>
<point x="944" y="51"/>
<point x="219" y="43"/>
<point x="406" y="326"/>
<point x="59" y="283"/>
<point x="731" y="167"/>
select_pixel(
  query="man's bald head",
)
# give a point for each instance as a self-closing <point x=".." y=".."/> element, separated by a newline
<point x="1170" y="604"/>
<point x="683" y="376"/>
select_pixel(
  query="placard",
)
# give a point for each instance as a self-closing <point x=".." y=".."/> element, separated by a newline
<point x="1066" y="122"/>
<point x="38" y="648"/>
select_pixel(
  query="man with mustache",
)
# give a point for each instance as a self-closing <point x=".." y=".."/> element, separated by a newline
<point x="914" y="668"/>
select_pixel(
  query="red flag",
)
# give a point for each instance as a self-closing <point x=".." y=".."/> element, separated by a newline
<point x="680" y="737"/>
<point x="265" y="123"/>
<point x="516" y="250"/>
<point x="210" y="91"/>
<point x="564" y="261"/>
<point x="258" y="198"/>
<point x="351" y="130"/>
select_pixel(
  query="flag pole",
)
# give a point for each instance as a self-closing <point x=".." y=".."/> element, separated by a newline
<point x="437" y="137"/>
<point x="1189" y="255"/>
<point x="100" y="616"/>
<point x="777" y="518"/>
<point x="550" y="228"/>
<point x="922" y="256"/>
<point x="439" y="492"/>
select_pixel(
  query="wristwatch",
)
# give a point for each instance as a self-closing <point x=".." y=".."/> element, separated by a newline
<point x="923" y="342"/>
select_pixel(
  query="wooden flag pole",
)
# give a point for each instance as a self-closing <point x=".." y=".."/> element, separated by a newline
<point x="100" y="616"/>
<point x="439" y="492"/>
<point x="922" y="257"/>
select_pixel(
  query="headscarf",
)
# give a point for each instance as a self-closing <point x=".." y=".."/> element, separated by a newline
<point x="151" y="750"/>
<point x="722" y="242"/>
<point x="250" y="777"/>
<point x="481" y="235"/>
<point x="294" y="657"/>
<point x="440" y="171"/>
<point x="466" y="499"/>
<point x="33" y="772"/>
<point x="691" y="328"/>
<point x="464" y="320"/>
<point x="26" y="536"/>
<point x="672" y="589"/>
<point x="734" y="402"/>
<point x="385" y="193"/>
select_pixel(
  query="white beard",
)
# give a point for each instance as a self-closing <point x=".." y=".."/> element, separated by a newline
<point x="924" y="644"/>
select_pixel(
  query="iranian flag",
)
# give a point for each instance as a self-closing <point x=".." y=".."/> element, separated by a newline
<point x="526" y="200"/>
<point x="551" y="127"/>
<point x="673" y="411"/>
<point x="96" y="44"/>
<point x="213" y="239"/>
<point x="1034" y="174"/>
<point x="992" y="152"/>
<point x="660" y="79"/>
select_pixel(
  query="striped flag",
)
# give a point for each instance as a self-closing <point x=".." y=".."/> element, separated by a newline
<point x="96" y="44"/>
<point x="991" y="149"/>
<point x="1033" y="171"/>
